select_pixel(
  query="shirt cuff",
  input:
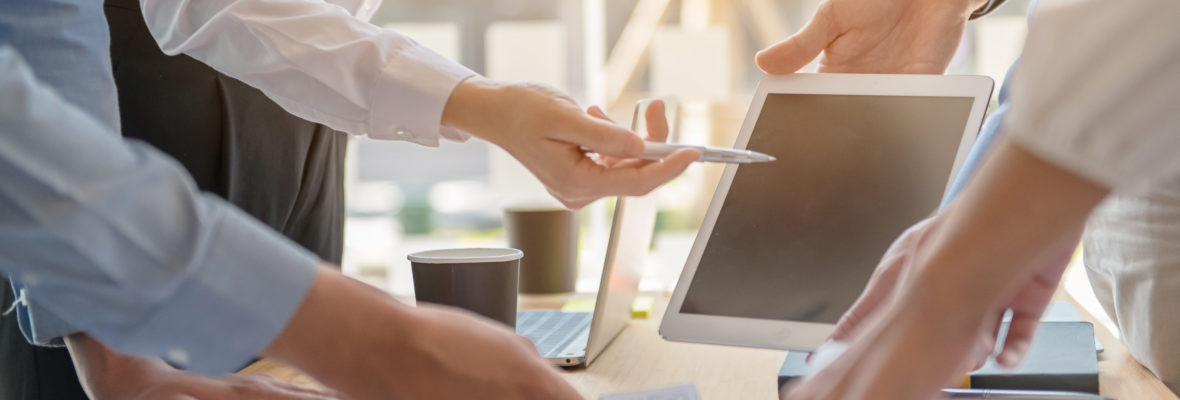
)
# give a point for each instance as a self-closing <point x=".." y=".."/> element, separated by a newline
<point x="40" y="326"/>
<point x="251" y="282"/>
<point x="408" y="100"/>
<point x="987" y="8"/>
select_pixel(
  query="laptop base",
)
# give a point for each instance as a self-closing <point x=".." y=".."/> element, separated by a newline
<point x="560" y="337"/>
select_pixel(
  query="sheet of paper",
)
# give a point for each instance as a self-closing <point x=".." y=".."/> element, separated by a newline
<point x="686" y="391"/>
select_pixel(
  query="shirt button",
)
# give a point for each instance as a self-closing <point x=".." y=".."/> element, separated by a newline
<point x="178" y="356"/>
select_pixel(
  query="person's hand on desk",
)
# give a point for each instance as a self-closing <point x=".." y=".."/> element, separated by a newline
<point x="874" y="36"/>
<point x="362" y="342"/>
<point x="107" y="375"/>
<point x="933" y="309"/>
<point x="1026" y="307"/>
<point x="544" y="129"/>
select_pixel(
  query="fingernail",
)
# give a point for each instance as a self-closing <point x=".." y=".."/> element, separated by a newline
<point x="979" y="364"/>
<point x="1014" y="354"/>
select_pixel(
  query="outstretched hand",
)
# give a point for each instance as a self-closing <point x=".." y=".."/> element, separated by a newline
<point x="874" y="36"/>
<point x="546" y="130"/>
<point x="657" y="131"/>
<point x="886" y="286"/>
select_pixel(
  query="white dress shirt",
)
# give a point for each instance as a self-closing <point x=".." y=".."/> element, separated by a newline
<point x="1098" y="92"/>
<point x="320" y="60"/>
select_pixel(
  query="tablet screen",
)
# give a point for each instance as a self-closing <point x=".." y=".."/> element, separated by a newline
<point x="797" y="239"/>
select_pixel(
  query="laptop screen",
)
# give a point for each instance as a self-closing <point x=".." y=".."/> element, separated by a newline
<point x="799" y="238"/>
<point x="630" y="240"/>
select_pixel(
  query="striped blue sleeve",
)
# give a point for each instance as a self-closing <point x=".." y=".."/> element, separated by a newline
<point x="112" y="238"/>
<point x="984" y="142"/>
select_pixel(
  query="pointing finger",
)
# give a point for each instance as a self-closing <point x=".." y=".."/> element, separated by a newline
<point x="602" y="136"/>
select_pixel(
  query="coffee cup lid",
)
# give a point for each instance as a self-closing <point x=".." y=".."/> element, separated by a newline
<point x="469" y="255"/>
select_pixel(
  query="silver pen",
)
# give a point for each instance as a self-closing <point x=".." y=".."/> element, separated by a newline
<point x="1005" y="394"/>
<point x="659" y="151"/>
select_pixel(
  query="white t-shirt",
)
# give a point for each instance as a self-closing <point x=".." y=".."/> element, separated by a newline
<point x="1132" y="256"/>
<point x="1098" y="92"/>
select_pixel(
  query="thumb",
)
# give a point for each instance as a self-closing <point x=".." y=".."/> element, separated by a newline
<point x="1020" y="334"/>
<point x="884" y="278"/>
<point x="603" y="137"/>
<point x="876" y="292"/>
<point x="795" y="52"/>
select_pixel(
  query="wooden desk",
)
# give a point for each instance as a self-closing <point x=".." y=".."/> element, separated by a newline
<point x="639" y="359"/>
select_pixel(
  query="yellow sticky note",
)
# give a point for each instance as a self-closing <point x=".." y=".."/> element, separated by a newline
<point x="640" y="308"/>
<point x="579" y="305"/>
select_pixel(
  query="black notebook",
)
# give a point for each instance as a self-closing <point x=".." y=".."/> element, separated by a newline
<point x="1061" y="357"/>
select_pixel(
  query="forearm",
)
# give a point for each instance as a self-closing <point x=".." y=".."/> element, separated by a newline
<point x="339" y="326"/>
<point x="1016" y="217"/>
<point x="361" y="341"/>
<point x="1018" y="212"/>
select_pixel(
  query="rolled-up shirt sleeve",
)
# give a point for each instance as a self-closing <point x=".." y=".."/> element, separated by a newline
<point x="112" y="238"/>
<point x="1097" y="90"/>
<point x="318" y="60"/>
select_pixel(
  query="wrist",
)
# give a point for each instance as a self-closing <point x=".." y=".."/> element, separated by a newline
<point x="956" y="292"/>
<point x="472" y="107"/>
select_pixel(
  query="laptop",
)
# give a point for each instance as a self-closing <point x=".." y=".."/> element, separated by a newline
<point x="571" y="339"/>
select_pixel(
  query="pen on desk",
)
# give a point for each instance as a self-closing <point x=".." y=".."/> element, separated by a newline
<point x="1004" y="394"/>
<point x="658" y="151"/>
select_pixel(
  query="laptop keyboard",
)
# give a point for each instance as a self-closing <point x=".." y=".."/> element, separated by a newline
<point x="552" y="331"/>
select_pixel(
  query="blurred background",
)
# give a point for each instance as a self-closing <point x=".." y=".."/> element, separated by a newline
<point x="403" y="197"/>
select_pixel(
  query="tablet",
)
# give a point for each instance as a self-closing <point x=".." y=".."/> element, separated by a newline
<point x="786" y="247"/>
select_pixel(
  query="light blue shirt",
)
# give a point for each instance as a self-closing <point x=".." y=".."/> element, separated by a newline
<point x="68" y="45"/>
<point x="111" y="237"/>
<point x="984" y="142"/>
<point x="991" y="132"/>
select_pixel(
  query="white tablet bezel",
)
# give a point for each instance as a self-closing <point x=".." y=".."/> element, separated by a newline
<point x="795" y="335"/>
